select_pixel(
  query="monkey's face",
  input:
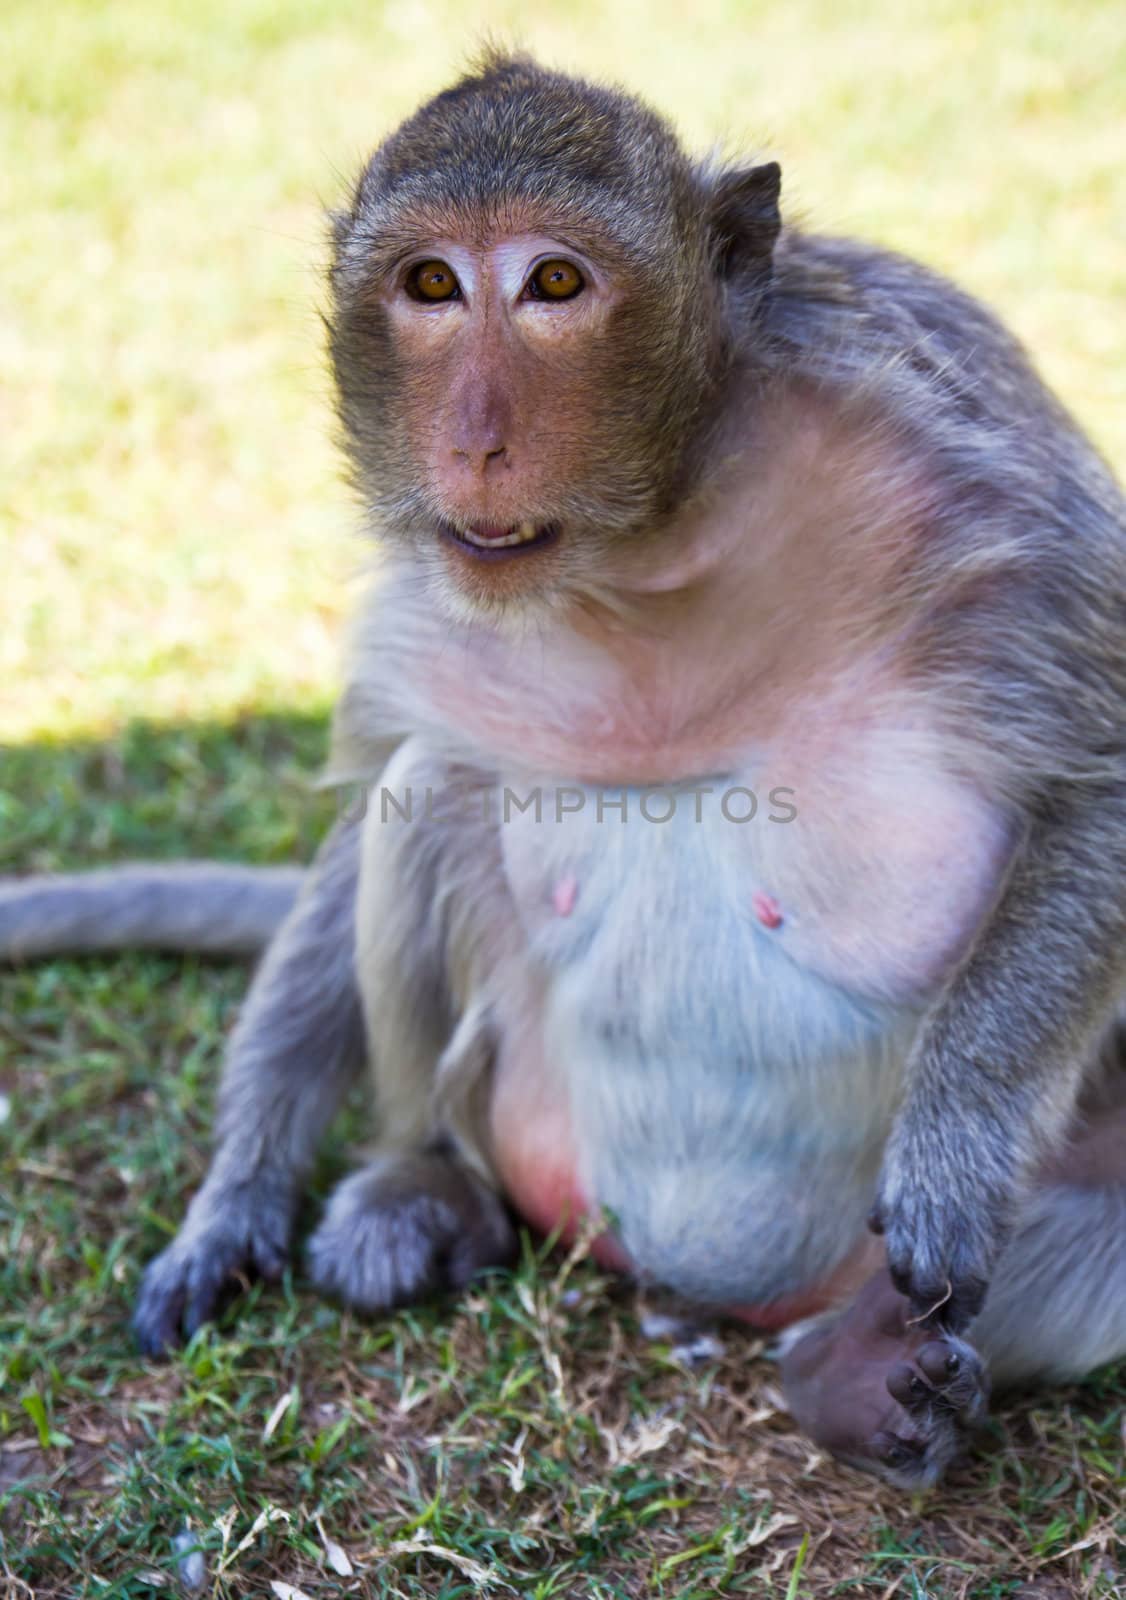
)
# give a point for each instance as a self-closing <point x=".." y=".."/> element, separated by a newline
<point x="522" y="395"/>
<point x="527" y="319"/>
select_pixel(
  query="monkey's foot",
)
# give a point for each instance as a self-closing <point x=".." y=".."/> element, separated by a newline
<point x="406" y="1227"/>
<point x="882" y="1395"/>
<point x="231" y="1231"/>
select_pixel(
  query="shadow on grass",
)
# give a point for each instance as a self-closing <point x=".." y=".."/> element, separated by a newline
<point x="118" y="1056"/>
<point x="108" y="1068"/>
<point x="237" y="790"/>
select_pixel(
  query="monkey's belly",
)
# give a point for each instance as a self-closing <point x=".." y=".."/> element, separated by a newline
<point x="537" y="1160"/>
<point x="541" y="1168"/>
<point x="769" y="1234"/>
<point x="723" y="1107"/>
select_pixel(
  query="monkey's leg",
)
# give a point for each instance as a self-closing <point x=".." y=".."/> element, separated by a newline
<point x="898" y="1399"/>
<point x="298" y="1045"/>
<point x="433" y="924"/>
<point x="1057" y="1305"/>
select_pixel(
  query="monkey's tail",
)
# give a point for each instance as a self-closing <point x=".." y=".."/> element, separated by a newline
<point x="212" y="907"/>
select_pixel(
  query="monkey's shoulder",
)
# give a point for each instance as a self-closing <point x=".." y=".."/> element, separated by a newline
<point x="868" y="319"/>
<point x="884" y="299"/>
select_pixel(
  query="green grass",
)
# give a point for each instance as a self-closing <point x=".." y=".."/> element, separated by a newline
<point x="175" y="565"/>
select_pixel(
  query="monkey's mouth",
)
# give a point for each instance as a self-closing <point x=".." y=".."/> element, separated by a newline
<point x="490" y="541"/>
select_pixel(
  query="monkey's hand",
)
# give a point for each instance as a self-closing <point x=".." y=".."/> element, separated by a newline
<point x="233" y="1229"/>
<point x="943" y="1205"/>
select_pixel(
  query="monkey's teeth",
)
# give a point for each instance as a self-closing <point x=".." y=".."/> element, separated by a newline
<point x="523" y="533"/>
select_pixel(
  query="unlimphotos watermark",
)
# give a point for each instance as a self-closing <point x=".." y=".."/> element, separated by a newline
<point x="502" y="804"/>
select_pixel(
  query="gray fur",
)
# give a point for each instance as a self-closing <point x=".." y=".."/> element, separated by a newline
<point x="430" y="903"/>
<point x="1056" y="1307"/>
<point x="296" y="1049"/>
<point x="210" y="907"/>
<point x="994" y="1077"/>
<point x="432" y="910"/>
<point x="1031" y="562"/>
<point x="649" y="1012"/>
<point x="405" y="1227"/>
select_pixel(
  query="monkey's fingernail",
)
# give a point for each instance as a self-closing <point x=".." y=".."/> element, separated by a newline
<point x="766" y="909"/>
<point x="564" y="895"/>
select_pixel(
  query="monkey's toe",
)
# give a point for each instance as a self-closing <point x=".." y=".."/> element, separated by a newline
<point x="884" y="1395"/>
<point x="405" y="1228"/>
<point x="940" y="1394"/>
<point x="945" y="1372"/>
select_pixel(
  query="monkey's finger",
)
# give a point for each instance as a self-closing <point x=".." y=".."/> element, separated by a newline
<point x="205" y="1287"/>
<point x="896" y="1450"/>
<point x="946" y="1299"/>
<point x="909" y="1386"/>
<point x="158" y="1335"/>
<point x="959" y="1376"/>
<point x="941" y="1379"/>
<point x="160" y="1305"/>
<point x="269" y="1259"/>
<point x="939" y="1362"/>
<point x="950" y="1308"/>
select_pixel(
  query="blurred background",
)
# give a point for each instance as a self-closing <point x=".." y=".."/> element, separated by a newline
<point x="175" y="538"/>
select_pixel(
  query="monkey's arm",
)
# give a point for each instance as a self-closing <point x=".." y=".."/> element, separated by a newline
<point x="298" y="1046"/>
<point x="208" y="906"/>
<point x="995" y="1071"/>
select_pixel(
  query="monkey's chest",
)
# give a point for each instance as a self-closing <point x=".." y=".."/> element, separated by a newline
<point x="868" y="870"/>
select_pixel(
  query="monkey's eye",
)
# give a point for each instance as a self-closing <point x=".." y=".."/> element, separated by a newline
<point x="432" y="281"/>
<point x="555" y="280"/>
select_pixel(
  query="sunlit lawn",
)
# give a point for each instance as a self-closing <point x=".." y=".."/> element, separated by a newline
<point x="176" y="559"/>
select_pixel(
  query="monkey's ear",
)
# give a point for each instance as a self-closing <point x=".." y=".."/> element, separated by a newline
<point x="745" y="220"/>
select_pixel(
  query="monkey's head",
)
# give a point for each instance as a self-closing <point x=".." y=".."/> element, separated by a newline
<point x="533" y="292"/>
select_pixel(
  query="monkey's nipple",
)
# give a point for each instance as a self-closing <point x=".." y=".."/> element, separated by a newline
<point x="564" y="895"/>
<point x="766" y="909"/>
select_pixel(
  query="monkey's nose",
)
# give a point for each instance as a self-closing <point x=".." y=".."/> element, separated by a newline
<point x="482" y="459"/>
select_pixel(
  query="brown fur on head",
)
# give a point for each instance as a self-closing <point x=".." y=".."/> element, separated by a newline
<point x="494" y="410"/>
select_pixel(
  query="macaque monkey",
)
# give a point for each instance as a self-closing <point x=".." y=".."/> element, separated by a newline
<point x="681" y="505"/>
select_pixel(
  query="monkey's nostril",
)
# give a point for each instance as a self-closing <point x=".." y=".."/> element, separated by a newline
<point x="481" y="459"/>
